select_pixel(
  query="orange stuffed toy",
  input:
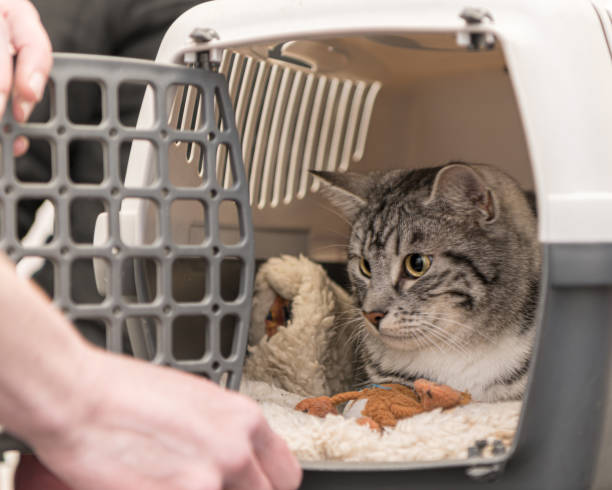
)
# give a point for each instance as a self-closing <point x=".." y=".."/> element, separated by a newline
<point x="383" y="405"/>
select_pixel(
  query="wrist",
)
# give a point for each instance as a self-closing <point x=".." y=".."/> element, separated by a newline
<point x="53" y="385"/>
<point x="46" y="375"/>
<point x="61" y="399"/>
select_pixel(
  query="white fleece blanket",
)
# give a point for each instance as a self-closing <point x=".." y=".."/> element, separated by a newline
<point x="429" y="436"/>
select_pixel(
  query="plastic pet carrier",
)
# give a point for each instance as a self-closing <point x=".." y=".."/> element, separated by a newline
<point x="246" y="97"/>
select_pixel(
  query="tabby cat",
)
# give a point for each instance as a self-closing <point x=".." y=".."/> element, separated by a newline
<point x="444" y="266"/>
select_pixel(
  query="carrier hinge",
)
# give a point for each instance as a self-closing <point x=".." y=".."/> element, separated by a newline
<point x="471" y="40"/>
<point x="209" y="58"/>
<point x="487" y="471"/>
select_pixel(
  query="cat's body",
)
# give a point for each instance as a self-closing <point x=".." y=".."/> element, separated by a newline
<point x="444" y="265"/>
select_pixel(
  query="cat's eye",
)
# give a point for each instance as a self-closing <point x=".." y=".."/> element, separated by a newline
<point x="416" y="265"/>
<point x="364" y="267"/>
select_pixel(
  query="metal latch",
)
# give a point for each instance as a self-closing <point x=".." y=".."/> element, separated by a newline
<point x="476" y="40"/>
<point x="209" y="59"/>
<point x="485" y="471"/>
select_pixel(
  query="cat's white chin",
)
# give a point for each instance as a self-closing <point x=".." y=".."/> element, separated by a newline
<point x="403" y="342"/>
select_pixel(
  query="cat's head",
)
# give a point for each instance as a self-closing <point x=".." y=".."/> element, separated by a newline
<point x="439" y="257"/>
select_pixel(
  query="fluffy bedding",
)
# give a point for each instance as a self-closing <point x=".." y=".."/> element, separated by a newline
<point x="426" y="437"/>
<point x="308" y="357"/>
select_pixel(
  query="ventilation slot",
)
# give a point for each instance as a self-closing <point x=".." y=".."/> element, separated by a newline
<point x="290" y="120"/>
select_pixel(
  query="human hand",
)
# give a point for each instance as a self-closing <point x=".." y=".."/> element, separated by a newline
<point x="144" y="426"/>
<point x="22" y="35"/>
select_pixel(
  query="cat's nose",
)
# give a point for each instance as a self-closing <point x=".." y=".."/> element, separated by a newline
<point x="375" y="317"/>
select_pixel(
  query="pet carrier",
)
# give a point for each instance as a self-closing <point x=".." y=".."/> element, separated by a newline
<point x="332" y="86"/>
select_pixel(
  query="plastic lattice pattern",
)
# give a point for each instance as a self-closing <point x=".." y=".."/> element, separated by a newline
<point x="163" y="288"/>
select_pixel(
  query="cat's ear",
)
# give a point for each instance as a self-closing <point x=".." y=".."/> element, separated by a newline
<point x="463" y="188"/>
<point x="346" y="191"/>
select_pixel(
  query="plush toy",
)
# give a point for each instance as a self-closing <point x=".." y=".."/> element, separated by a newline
<point x="383" y="405"/>
<point x="279" y="315"/>
<point x="296" y="341"/>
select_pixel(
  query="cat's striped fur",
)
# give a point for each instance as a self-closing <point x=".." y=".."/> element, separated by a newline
<point x="469" y="320"/>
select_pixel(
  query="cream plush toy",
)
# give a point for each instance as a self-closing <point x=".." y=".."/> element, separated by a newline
<point x="295" y="342"/>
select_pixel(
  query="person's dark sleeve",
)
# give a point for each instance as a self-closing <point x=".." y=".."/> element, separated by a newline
<point x="137" y="29"/>
<point x="131" y="28"/>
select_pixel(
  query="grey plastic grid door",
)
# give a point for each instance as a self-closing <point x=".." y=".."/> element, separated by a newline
<point x="141" y="279"/>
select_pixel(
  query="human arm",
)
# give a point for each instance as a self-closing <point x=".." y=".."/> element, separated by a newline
<point x="99" y="420"/>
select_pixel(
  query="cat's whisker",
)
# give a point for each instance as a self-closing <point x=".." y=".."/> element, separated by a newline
<point x="445" y="336"/>
<point x="333" y="211"/>
<point x="426" y="333"/>
<point x="452" y="335"/>
<point x="363" y="384"/>
<point x="353" y="319"/>
<point x="420" y="342"/>
<point x="436" y="339"/>
<point x="427" y="337"/>
<point x="358" y="343"/>
<point x="350" y="308"/>
<point x="443" y="318"/>
<point x="350" y="311"/>
<point x="357" y="335"/>
<point x="356" y="331"/>
<point x="460" y="341"/>
<point x="352" y="323"/>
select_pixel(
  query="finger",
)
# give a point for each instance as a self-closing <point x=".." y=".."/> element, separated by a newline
<point x="251" y="477"/>
<point x="6" y="65"/>
<point x="21" y="146"/>
<point x="276" y="460"/>
<point x="33" y="56"/>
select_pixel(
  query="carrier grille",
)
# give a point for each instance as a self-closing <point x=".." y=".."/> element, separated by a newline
<point x="147" y="274"/>
<point x="290" y="121"/>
